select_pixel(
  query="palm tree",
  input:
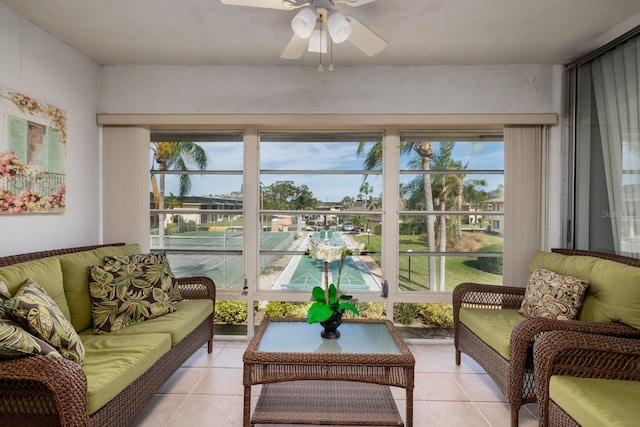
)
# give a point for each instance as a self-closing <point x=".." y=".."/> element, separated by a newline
<point x="474" y="196"/>
<point x="373" y="160"/>
<point x="445" y="185"/>
<point x="366" y="189"/>
<point x="425" y="151"/>
<point x="176" y="156"/>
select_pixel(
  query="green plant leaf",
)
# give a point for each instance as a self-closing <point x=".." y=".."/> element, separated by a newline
<point x="317" y="293"/>
<point x="318" y="312"/>
<point x="350" y="307"/>
<point x="333" y="293"/>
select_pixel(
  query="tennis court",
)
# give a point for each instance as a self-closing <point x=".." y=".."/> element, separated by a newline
<point x="303" y="272"/>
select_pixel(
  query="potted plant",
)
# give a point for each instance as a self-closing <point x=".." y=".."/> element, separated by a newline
<point x="329" y="303"/>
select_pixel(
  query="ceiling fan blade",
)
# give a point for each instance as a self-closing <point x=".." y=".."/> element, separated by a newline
<point x="365" y="39"/>
<point x="295" y="48"/>
<point x="355" y="2"/>
<point x="269" y="4"/>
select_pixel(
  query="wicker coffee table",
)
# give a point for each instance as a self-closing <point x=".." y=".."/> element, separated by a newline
<point x="309" y="380"/>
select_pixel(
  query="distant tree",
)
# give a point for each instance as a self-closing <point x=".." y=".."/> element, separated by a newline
<point x="284" y="195"/>
<point x="366" y="188"/>
<point x="178" y="156"/>
<point x="347" y="202"/>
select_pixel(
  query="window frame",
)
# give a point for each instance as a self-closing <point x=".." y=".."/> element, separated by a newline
<point x="120" y="132"/>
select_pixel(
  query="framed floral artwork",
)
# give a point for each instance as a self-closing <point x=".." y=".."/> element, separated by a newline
<point x="33" y="138"/>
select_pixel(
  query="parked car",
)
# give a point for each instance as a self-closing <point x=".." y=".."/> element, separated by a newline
<point x="348" y="226"/>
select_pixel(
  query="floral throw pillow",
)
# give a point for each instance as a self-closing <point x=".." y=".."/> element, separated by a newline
<point x="35" y="311"/>
<point x="155" y="269"/>
<point x="121" y="296"/>
<point x="15" y="341"/>
<point x="553" y="295"/>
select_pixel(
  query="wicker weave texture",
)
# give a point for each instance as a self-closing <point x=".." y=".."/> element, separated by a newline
<point x="559" y="418"/>
<point x="292" y="367"/>
<point x="581" y="355"/>
<point x="326" y="403"/>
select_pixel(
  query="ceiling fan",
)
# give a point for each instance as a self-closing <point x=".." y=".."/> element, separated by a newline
<point x="314" y="20"/>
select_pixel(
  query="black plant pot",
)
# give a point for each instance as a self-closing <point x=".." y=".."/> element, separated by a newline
<point x="330" y="326"/>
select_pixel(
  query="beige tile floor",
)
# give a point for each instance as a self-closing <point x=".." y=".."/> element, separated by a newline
<point x="207" y="391"/>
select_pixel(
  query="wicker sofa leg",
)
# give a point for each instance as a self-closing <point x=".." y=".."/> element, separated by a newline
<point x="457" y="357"/>
<point x="514" y="416"/>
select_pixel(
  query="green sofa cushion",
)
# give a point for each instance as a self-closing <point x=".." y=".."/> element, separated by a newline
<point x="614" y="289"/>
<point x="188" y="315"/>
<point x="47" y="272"/>
<point x="615" y="294"/>
<point x="597" y="402"/>
<point x="75" y="269"/>
<point x="112" y="363"/>
<point x="492" y="326"/>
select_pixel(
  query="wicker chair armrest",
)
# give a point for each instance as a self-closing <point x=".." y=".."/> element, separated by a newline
<point x="62" y="378"/>
<point x="199" y="287"/>
<point x="482" y="295"/>
<point x="525" y="332"/>
<point x="582" y="355"/>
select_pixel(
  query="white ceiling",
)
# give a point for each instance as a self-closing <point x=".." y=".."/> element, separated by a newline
<point x="418" y="32"/>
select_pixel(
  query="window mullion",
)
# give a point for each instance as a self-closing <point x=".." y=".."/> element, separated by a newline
<point x="251" y="204"/>
<point x="390" y="217"/>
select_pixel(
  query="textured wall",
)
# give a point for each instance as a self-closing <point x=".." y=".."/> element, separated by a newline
<point x="38" y="65"/>
<point x="382" y="89"/>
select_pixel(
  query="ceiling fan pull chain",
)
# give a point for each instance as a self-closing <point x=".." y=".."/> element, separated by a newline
<point x="331" y="55"/>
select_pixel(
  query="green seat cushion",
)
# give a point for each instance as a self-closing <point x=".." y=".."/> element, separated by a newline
<point x="47" y="272"/>
<point x="493" y="326"/>
<point x="112" y="363"/>
<point x="76" y="280"/>
<point x="614" y="288"/>
<point x="188" y="315"/>
<point x="597" y="402"/>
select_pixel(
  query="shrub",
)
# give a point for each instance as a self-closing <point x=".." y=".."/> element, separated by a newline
<point x="437" y="315"/>
<point x="286" y="309"/>
<point x="371" y="310"/>
<point x="490" y="264"/>
<point x="405" y="313"/>
<point x="231" y="312"/>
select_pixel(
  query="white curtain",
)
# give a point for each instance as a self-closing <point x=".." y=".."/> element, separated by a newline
<point x="616" y="84"/>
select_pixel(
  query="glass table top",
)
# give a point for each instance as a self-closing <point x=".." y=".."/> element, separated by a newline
<point x="301" y="337"/>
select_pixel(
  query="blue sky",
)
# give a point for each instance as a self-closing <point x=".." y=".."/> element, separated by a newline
<point x="326" y="156"/>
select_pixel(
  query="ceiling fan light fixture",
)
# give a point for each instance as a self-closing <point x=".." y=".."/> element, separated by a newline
<point x="304" y="22"/>
<point x="318" y="41"/>
<point x="339" y="27"/>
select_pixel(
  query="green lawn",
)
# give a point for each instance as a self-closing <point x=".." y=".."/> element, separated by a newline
<point x="458" y="269"/>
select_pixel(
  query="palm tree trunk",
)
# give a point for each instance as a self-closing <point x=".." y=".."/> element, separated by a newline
<point x="443" y="241"/>
<point x="431" y="223"/>
<point x="161" y="216"/>
<point x="459" y="200"/>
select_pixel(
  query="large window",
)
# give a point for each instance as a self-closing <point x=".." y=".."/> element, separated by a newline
<point x="451" y="199"/>
<point x="243" y="207"/>
<point x="606" y="139"/>
<point x="318" y="186"/>
<point x="196" y="204"/>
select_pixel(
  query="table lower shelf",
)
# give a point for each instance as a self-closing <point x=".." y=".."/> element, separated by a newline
<point x="343" y="403"/>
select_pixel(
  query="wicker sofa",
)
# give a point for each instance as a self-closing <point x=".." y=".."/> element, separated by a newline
<point x="587" y="380"/>
<point x="121" y="371"/>
<point x="489" y="328"/>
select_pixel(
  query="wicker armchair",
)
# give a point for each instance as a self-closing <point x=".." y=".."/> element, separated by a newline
<point x="580" y="355"/>
<point x="514" y="377"/>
